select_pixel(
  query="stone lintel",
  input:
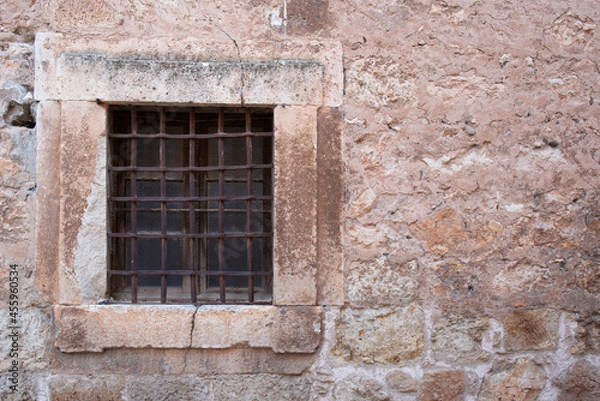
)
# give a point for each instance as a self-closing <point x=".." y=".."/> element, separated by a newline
<point x="188" y="70"/>
<point x="185" y="81"/>
<point x="93" y="328"/>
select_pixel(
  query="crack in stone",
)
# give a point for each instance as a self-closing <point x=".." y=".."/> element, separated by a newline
<point x="193" y="324"/>
<point x="191" y="339"/>
<point x="242" y="71"/>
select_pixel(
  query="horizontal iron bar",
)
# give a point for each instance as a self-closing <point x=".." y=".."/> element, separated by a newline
<point x="186" y="198"/>
<point x="186" y="273"/>
<point x="188" y="169"/>
<point x="193" y="135"/>
<point x="188" y="235"/>
<point x="203" y="299"/>
<point x="186" y="209"/>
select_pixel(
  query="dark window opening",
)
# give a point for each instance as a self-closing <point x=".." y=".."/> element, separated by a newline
<point x="190" y="204"/>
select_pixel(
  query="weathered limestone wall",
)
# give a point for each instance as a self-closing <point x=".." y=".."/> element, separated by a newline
<point x="471" y="143"/>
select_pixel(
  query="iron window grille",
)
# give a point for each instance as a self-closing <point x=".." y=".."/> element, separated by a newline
<point x="190" y="204"/>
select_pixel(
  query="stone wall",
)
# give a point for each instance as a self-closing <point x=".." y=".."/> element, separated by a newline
<point x="471" y="223"/>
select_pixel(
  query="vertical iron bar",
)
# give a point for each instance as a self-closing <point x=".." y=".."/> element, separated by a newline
<point x="249" y="255"/>
<point x="204" y="213"/>
<point x="163" y="207"/>
<point x="191" y="206"/>
<point x="133" y="190"/>
<point x="221" y="163"/>
<point x="267" y="213"/>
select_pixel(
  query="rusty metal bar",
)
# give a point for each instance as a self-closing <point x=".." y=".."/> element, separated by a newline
<point x="249" y="250"/>
<point x="191" y="207"/>
<point x="221" y="251"/>
<point x="186" y="169"/>
<point x="133" y="190"/>
<point x="191" y="235"/>
<point x="193" y="273"/>
<point x="186" y="136"/>
<point x="163" y="207"/>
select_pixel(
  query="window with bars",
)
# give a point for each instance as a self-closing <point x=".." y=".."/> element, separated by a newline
<point x="190" y="204"/>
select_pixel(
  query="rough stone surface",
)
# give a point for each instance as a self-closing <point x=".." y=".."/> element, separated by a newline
<point x="261" y="387"/>
<point x="167" y="388"/>
<point x="381" y="282"/>
<point x="443" y="231"/>
<point x="459" y="287"/>
<point x="285" y="330"/>
<point x="521" y="380"/>
<point x="306" y="16"/>
<point x="588" y="274"/>
<point x="401" y="382"/>
<point x="15" y="105"/>
<point x="386" y="335"/>
<point x="357" y="387"/>
<point x="580" y="382"/>
<point x="16" y="56"/>
<point x="379" y="81"/>
<point x="531" y="330"/>
<point x="16" y="182"/>
<point x="297" y="330"/>
<point x="448" y="385"/>
<point x="15" y="213"/>
<point x="107" y="388"/>
<point x="459" y="339"/>
<point x="587" y="335"/>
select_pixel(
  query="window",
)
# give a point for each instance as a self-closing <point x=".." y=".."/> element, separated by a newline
<point x="160" y="128"/>
<point x="190" y="204"/>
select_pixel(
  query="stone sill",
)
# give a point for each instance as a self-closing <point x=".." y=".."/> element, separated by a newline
<point x="94" y="328"/>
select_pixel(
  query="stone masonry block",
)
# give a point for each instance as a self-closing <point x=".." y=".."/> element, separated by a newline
<point x="96" y="327"/>
<point x="76" y="388"/>
<point x="261" y="387"/>
<point x="530" y="330"/>
<point x="161" y="388"/>
<point x="385" y="335"/>
<point x="284" y="329"/>
<point x="295" y="264"/>
<point x="448" y="385"/>
<point x="521" y="380"/>
<point x="330" y="198"/>
<point x="83" y="202"/>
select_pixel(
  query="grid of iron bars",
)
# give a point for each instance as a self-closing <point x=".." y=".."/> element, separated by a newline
<point x="190" y="204"/>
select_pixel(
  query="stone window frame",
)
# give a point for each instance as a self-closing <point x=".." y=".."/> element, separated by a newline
<point x="77" y="78"/>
